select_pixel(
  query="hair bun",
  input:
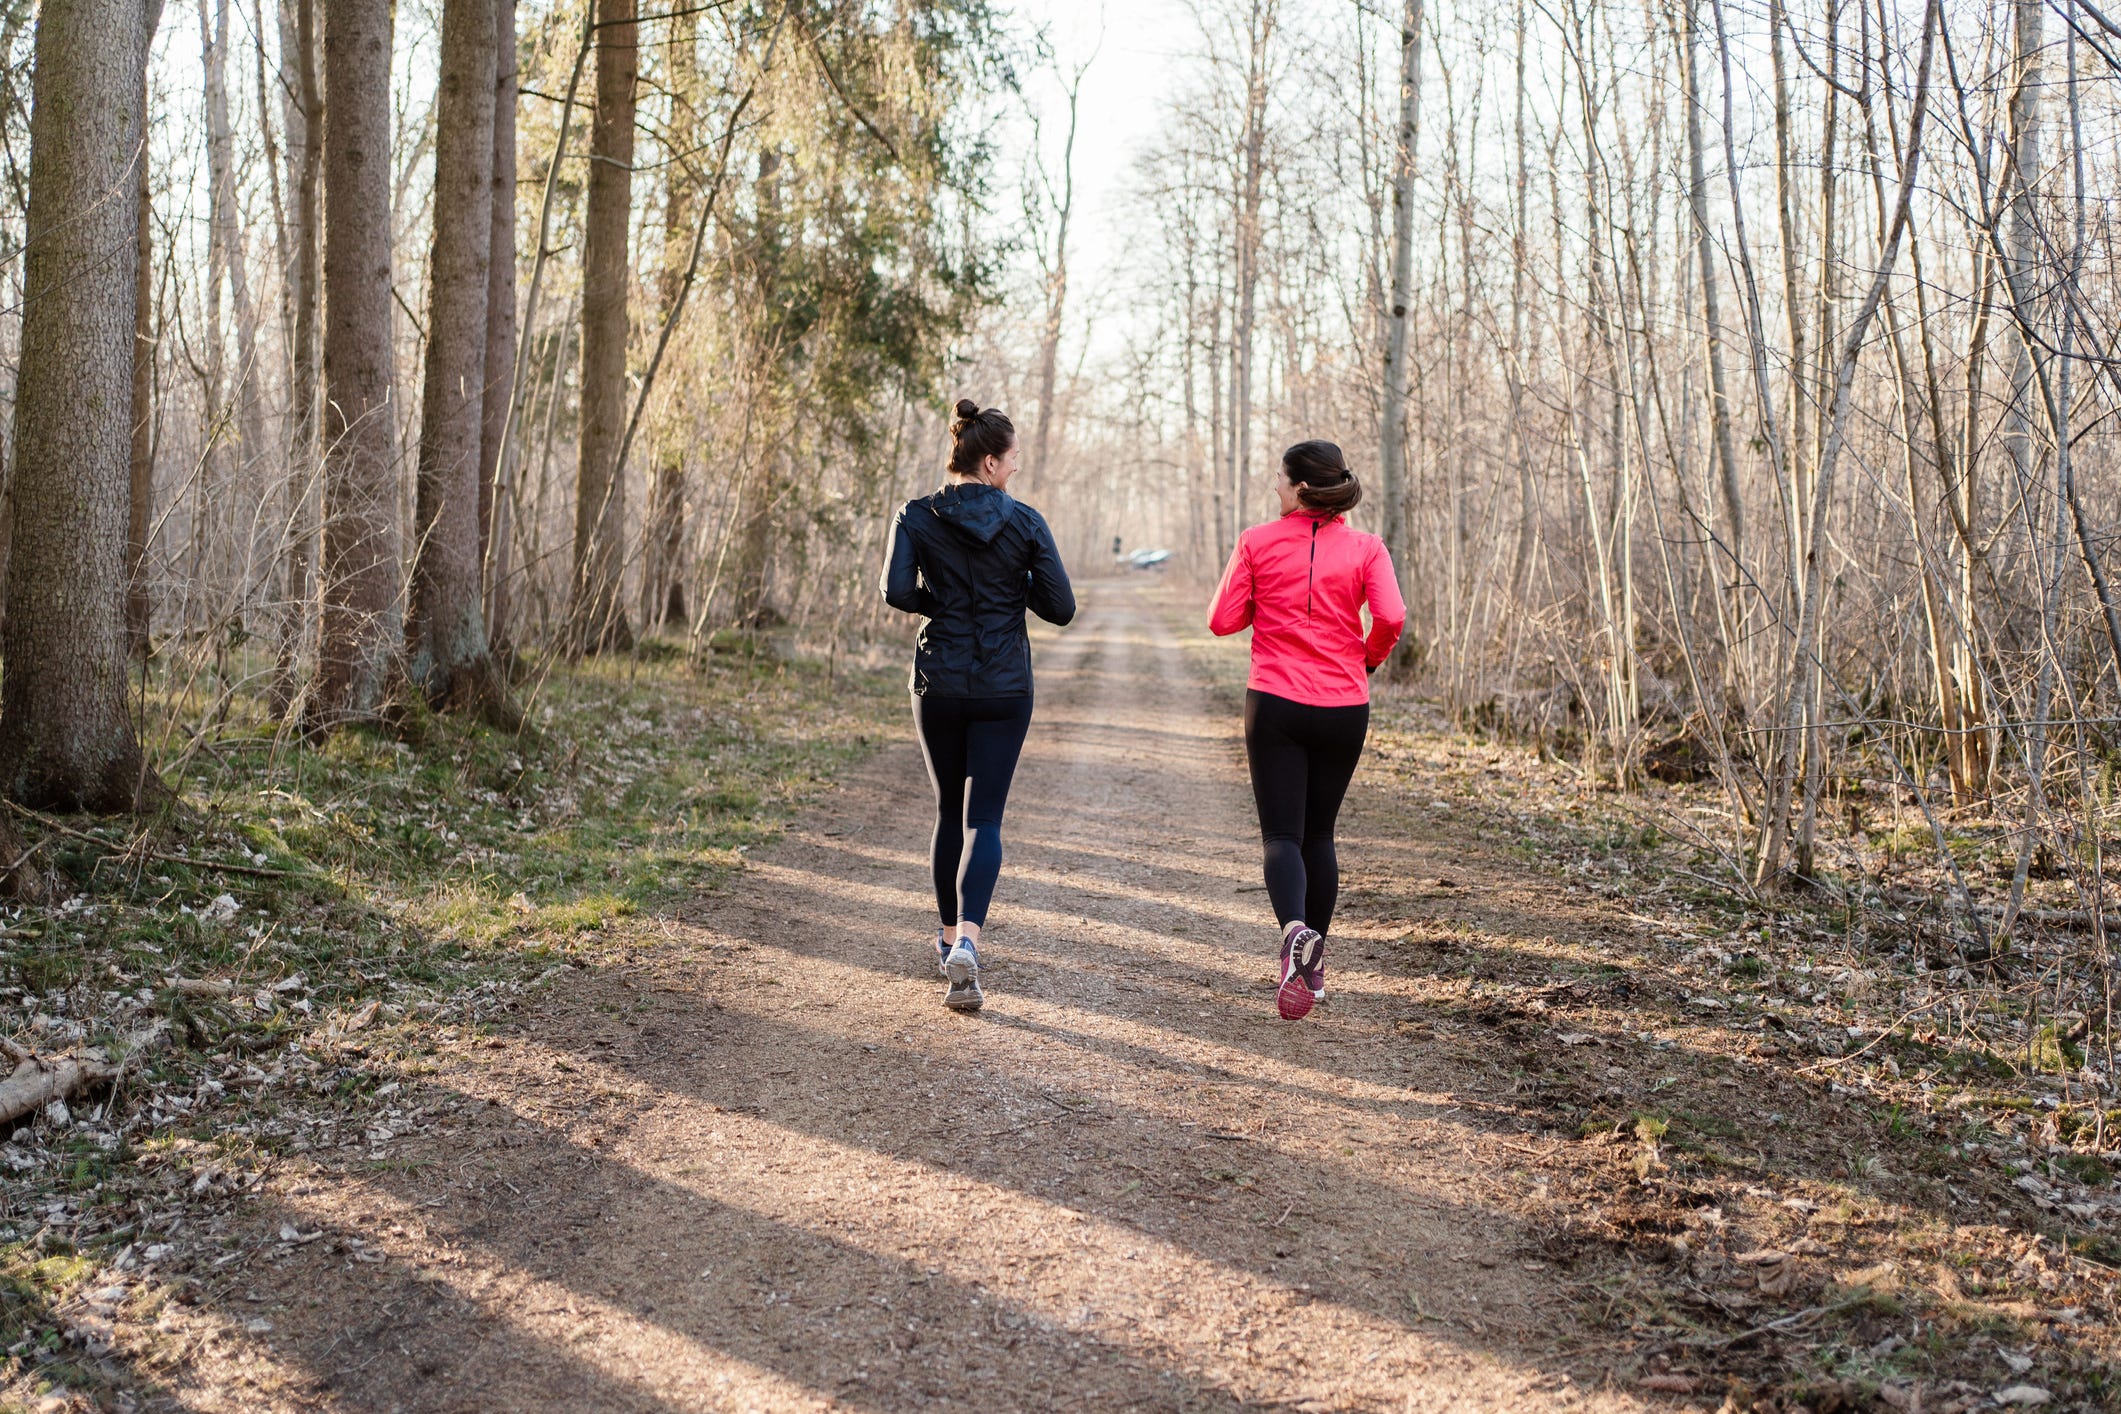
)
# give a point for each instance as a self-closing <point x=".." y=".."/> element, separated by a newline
<point x="967" y="409"/>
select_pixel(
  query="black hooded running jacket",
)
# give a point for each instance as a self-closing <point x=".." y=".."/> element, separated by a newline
<point x="969" y="560"/>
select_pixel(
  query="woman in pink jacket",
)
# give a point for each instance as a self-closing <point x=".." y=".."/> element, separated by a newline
<point x="1301" y="584"/>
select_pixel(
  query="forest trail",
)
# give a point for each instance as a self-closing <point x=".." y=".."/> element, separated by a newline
<point x="754" y="1164"/>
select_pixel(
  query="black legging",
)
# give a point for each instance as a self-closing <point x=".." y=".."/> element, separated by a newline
<point x="971" y="744"/>
<point x="1302" y="760"/>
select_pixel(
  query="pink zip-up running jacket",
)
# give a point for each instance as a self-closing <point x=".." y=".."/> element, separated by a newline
<point x="1301" y="583"/>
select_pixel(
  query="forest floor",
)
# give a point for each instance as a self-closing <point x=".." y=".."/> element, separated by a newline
<point x="1578" y="1126"/>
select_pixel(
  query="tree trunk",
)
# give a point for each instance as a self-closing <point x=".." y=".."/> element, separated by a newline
<point x="496" y="475"/>
<point x="1797" y="460"/>
<point x="663" y="534"/>
<point x="140" y="517"/>
<point x="1250" y="199"/>
<point x="1712" y="314"/>
<point x="446" y="634"/>
<point x="225" y="245"/>
<point x="599" y="616"/>
<point x="360" y="579"/>
<point x="66" y="736"/>
<point x="1520" y="435"/>
<point x="1392" y="431"/>
<point x="305" y="154"/>
<point x="2025" y="242"/>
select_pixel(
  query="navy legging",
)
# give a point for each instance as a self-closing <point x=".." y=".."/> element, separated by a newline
<point x="1302" y="759"/>
<point x="971" y="744"/>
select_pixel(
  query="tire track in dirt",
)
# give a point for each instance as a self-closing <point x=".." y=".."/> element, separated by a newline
<point x="752" y="1162"/>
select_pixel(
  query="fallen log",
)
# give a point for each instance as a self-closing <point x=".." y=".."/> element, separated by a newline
<point x="36" y="1081"/>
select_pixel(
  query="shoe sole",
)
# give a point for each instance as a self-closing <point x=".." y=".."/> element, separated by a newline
<point x="971" y="1000"/>
<point x="958" y="971"/>
<point x="1295" y="998"/>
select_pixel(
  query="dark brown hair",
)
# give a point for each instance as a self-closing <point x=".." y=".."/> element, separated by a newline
<point x="978" y="435"/>
<point x="1323" y="481"/>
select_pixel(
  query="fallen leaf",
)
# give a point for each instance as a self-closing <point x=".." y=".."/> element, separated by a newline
<point x="2023" y="1394"/>
<point x="1778" y="1280"/>
<point x="360" y="1018"/>
<point x="1670" y="1384"/>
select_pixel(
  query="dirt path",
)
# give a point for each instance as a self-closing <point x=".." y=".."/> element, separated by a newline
<point x="753" y="1163"/>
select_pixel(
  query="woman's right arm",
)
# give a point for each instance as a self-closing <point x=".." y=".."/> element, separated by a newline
<point x="1388" y="608"/>
<point x="903" y="589"/>
<point x="1233" y="601"/>
<point x="1048" y="592"/>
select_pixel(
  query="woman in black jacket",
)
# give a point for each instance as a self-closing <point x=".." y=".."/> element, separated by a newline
<point x="970" y="560"/>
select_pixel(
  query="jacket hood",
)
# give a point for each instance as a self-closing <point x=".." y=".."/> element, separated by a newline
<point x="973" y="509"/>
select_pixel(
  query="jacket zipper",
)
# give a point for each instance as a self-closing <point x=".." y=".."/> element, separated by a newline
<point x="1311" y="570"/>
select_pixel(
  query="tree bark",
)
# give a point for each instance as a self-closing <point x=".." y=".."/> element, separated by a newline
<point x="2024" y="238"/>
<point x="66" y="737"/>
<point x="447" y="654"/>
<point x="663" y="536"/>
<point x="1712" y="314"/>
<point x="1392" y="431"/>
<point x="1250" y="201"/>
<point x="599" y="615"/>
<point x="360" y="579"/>
<point x="225" y="245"/>
<point x="140" y="514"/>
<point x="304" y="108"/>
<point x="496" y="474"/>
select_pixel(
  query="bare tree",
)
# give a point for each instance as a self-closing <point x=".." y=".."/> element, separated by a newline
<point x="1392" y="428"/>
<point x="1052" y="255"/>
<point x="243" y="414"/>
<point x="1261" y="20"/>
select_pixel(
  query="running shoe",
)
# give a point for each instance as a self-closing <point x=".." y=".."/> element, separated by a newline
<point x="942" y="951"/>
<point x="1300" y="951"/>
<point x="962" y="968"/>
<point x="1315" y="975"/>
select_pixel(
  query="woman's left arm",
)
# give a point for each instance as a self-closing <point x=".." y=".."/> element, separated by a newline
<point x="1388" y="610"/>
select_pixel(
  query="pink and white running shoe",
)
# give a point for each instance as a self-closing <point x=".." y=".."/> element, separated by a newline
<point x="1300" y="951"/>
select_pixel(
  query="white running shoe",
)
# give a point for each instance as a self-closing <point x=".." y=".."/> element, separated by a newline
<point x="962" y="968"/>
